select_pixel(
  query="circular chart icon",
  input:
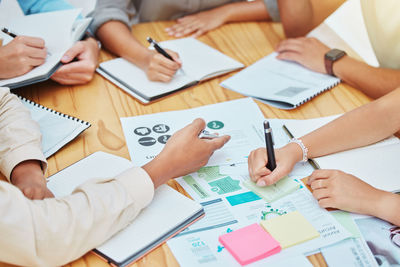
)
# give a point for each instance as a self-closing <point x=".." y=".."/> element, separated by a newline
<point x="147" y="141"/>
<point x="163" y="139"/>
<point x="142" y="131"/>
<point x="215" y="125"/>
<point x="161" y="128"/>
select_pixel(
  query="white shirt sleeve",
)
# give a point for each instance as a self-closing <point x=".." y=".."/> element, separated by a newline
<point x="53" y="232"/>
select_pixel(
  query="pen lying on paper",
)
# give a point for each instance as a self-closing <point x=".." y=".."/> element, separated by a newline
<point x="207" y="135"/>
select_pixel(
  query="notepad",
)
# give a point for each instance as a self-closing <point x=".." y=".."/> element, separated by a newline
<point x="273" y="192"/>
<point x="154" y="225"/>
<point x="59" y="29"/>
<point x="279" y="83"/>
<point x="200" y="62"/>
<point x="290" y="229"/>
<point x="376" y="164"/>
<point x="57" y="129"/>
<point x="250" y="244"/>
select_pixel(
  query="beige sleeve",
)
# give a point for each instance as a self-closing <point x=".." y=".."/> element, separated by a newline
<point x="53" y="232"/>
<point x="20" y="137"/>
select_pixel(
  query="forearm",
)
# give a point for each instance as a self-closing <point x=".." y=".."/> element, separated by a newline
<point x="301" y="16"/>
<point x="117" y="38"/>
<point x="362" y="126"/>
<point x="387" y="207"/>
<point x="296" y="16"/>
<point x="53" y="232"/>
<point x="380" y="81"/>
<point x="244" y="11"/>
<point x="20" y="135"/>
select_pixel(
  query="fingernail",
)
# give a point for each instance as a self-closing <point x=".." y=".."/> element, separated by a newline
<point x="65" y="58"/>
<point x="178" y="61"/>
<point x="261" y="183"/>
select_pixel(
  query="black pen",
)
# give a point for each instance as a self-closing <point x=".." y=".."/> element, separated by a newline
<point x="271" y="165"/>
<point x="159" y="49"/>
<point x="6" y="31"/>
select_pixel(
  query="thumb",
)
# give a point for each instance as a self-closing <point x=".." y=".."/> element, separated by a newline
<point x="175" y="57"/>
<point x="272" y="178"/>
<point x="219" y="142"/>
<point x="74" y="51"/>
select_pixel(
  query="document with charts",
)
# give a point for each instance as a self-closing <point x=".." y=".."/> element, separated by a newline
<point x="279" y="83"/>
<point x="241" y="119"/>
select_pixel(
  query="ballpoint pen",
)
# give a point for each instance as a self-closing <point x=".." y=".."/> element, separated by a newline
<point x="271" y="165"/>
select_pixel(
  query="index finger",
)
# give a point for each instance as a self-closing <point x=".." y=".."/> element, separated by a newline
<point x="219" y="142"/>
<point x="318" y="174"/>
<point x="31" y="41"/>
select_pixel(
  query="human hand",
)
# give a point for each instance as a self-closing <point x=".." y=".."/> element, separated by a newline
<point x="21" y="55"/>
<point x="28" y="177"/>
<point x="286" y="158"/>
<point x="340" y="190"/>
<point x="184" y="153"/>
<point x="81" y="71"/>
<point x="160" y="68"/>
<point x="308" y="52"/>
<point x="197" y="24"/>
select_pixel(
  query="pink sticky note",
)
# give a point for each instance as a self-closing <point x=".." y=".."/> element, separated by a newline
<point x="250" y="244"/>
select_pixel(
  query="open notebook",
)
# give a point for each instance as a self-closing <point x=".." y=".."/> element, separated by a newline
<point x="59" y="29"/>
<point x="200" y="62"/>
<point x="155" y="224"/>
<point x="376" y="164"/>
<point x="57" y="129"/>
<point x="279" y="83"/>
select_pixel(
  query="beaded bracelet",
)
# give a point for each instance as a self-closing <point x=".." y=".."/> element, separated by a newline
<point x="303" y="148"/>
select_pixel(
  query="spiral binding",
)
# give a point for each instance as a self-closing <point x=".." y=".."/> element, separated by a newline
<point x="53" y="111"/>
<point x="320" y="92"/>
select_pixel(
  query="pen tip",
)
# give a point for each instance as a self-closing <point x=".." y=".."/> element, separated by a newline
<point x="149" y="40"/>
<point x="266" y="124"/>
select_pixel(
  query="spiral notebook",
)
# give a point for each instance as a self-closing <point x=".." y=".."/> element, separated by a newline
<point x="281" y="84"/>
<point x="57" y="129"/>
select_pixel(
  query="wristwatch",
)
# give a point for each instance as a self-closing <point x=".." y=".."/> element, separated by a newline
<point x="332" y="56"/>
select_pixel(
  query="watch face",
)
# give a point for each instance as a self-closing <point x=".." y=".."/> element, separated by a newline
<point x="335" y="54"/>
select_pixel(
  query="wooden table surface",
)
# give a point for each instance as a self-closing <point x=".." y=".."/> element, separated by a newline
<point x="102" y="104"/>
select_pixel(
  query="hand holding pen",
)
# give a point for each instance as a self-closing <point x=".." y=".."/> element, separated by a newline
<point x="268" y="165"/>
<point x="20" y="55"/>
<point x="163" y="63"/>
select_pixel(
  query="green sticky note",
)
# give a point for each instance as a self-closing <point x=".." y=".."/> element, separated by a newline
<point x="345" y="219"/>
<point x="290" y="229"/>
<point x="270" y="193"/>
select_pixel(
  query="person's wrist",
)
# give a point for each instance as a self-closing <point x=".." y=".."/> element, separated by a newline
<point x="383" y="205"/>
<point x="337" y="66"/>
<point x="94" y="43"/>
<point x="159" y="170"/>
<point x="30" y="169"/>
<point x="227" y="12"/>
<point x="294" y="152"/>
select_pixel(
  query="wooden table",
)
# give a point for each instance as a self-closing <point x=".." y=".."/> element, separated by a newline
<point x="102" y="104"/>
